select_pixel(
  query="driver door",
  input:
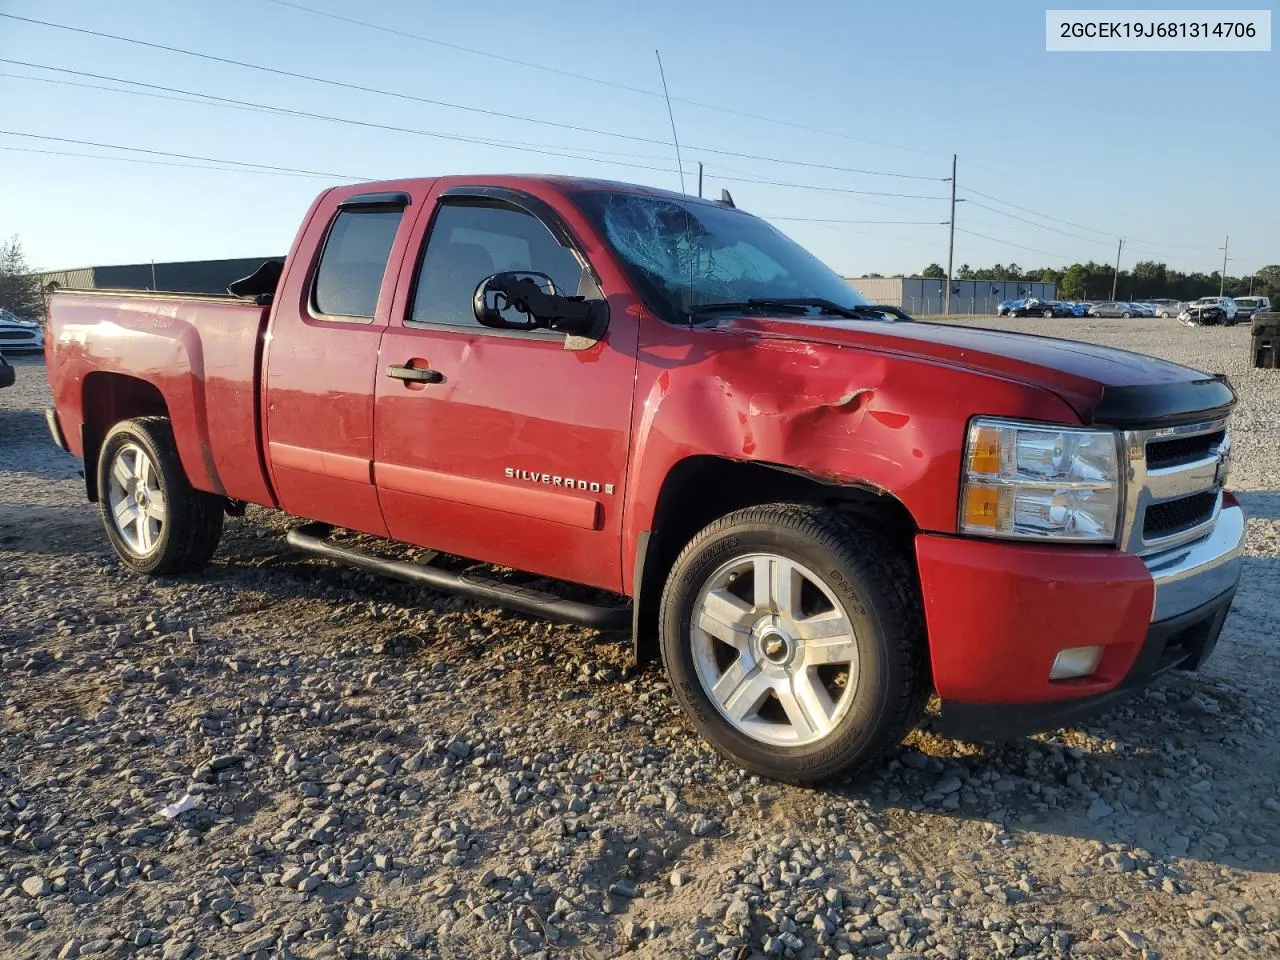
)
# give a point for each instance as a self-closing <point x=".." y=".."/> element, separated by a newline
<point x="514" y="449"/>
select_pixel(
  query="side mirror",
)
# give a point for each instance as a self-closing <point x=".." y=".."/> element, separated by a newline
<point x="518" y="300"/>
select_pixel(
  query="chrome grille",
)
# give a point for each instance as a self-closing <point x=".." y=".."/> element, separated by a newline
<point x="1173" y="516"/>
<point x="17" y="335"/>
<point x="1166" y="453"/>
<point x="1173" y="492"/>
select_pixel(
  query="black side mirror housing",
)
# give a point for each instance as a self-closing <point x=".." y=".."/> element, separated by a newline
<point x="501" y="301"/>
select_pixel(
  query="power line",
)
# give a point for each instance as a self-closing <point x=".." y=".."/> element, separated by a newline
<point x="840" y="190"/>
<point x="211" y="100"/>
<point x="1107" y="233"/>
<point x="608" y="83"/>
<point x="443" y="103"/>
<point x="519" y="146"/>
<point x="457" y="46"/>
<point x="248" y="167"/>
<point x="157" y="163"/>
<point x="1014" y="246"/>
<point x="1040" y="226"/>
<point x="919" y="223"/>
<point x="206" y="99"/>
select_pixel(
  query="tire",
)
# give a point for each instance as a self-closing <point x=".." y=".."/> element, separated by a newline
<point x="1047" y="314"/>
<point x="1126" y="315"/>
<point x="856" y="573"/>
<point x="168" y="527"/>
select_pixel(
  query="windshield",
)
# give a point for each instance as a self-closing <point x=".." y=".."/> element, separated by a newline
<point x="731" y="257"/>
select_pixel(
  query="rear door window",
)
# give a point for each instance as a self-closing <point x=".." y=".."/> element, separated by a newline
<point x="354" y="261"/>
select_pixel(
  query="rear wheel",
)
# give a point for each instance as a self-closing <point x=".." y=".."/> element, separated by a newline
<point x="1047" y="314"/>
<point x="156" y="521"/>
<point x="794" y="641"/>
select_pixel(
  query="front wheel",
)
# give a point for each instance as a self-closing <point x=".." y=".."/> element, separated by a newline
<point x="156" y="521"/>
<point x="794" y="641"/>
<point x="1047" y="314"/>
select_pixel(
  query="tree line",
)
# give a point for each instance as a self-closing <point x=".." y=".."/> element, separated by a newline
<point x="1148" y="280"/>
<point x="20" y="292"/>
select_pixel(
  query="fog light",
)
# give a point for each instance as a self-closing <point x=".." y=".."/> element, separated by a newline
<point x="1075" y="662"/>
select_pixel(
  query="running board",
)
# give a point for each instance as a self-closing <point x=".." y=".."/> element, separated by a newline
<point x="312" y="539"/>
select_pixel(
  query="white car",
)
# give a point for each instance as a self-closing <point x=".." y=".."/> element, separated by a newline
<point x="1210" y="310"/>
<point x="19" y="336"/>
<point x="1248" y="306"/>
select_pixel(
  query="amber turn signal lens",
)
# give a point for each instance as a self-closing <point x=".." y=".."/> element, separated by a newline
<point x="981" y="507"/>
<point x="984" y="451"/>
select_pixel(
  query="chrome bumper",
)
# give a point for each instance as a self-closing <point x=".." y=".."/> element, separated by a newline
<point x="1189" y="576"/>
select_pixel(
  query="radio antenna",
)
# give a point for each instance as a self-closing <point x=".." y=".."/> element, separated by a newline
<point x="684" y="204"/>
<point x="672" y="117"/>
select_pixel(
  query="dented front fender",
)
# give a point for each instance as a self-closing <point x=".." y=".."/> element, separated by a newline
<point x="844" y="415"/>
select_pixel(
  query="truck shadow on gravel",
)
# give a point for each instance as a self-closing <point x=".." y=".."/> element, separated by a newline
<point x="1183" y="770"/>
<point x="1260" y="505"/>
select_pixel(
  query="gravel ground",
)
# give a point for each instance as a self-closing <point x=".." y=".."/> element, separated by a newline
<point x="376" y="770"/>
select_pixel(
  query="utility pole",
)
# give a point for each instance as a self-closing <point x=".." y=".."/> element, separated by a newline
<point x="1115" y="277"/>
<point x="153" y="276"/>
<point x="951" y="237"/>
<point x="699" y="179"/>
<point x="1222" y="280"/>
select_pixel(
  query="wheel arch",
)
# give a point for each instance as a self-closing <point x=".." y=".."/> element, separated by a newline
<point x="725" y="485"/>
<point x="109" y="398"/>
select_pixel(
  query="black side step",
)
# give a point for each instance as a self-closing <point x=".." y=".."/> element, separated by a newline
<point x="312" y="539"/>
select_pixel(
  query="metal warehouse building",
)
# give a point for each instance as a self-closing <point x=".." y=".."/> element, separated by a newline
<point x="191" y="276"/>
<point x="917" y="295"/>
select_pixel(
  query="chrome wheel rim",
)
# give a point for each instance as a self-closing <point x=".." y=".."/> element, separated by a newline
<point x="774" y="650"/>
<point x="138" y="507"/>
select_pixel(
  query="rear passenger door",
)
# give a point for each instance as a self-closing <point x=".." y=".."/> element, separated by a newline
<point x="322" y="355"/>
<point x="515" y="452"/>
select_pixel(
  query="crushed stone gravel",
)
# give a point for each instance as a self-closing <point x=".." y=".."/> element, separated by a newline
<point x="284" y="758"/>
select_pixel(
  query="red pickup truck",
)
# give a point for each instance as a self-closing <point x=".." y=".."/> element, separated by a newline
<point x="815" y="513"/>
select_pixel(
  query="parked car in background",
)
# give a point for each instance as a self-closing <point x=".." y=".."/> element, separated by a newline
<point x="1167" y="308"/>
<point x="1208" y="311"/>
<point x="1035" y="307"/>
<point x="1005" y="307"/>
<point x="19" y="336"/>
<point x="1112" y="308"/>
<point x="7" y="374"/>
<point x="1246" y="307"/>
<point x="1143" y="309"/>
<point x="1076" y="309"/>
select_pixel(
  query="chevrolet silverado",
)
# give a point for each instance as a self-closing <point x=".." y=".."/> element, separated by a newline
<point x="814" y="513"/>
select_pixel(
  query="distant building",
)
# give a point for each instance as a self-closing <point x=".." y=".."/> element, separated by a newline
<point x="917" y="295"/>
<point x="190" y="276"/>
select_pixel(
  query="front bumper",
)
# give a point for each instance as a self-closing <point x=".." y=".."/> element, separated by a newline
<point x="998" y="614"/>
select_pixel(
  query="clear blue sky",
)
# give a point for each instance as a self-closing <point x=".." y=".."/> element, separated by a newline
<point x="1171" y="151"/>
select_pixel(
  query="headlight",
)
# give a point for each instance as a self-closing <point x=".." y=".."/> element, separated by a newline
<point x="1035" y="481"/>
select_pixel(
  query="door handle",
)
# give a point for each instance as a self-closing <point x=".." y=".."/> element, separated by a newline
<point x="415" y="374"/>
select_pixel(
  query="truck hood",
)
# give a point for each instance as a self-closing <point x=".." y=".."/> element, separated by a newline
<point x="1102" y="384"/>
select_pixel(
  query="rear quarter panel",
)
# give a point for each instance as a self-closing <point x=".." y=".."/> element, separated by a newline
<point x="201" y="354"/>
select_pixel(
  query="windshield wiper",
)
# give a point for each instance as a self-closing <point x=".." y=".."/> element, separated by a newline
<point x="787" y="303"/>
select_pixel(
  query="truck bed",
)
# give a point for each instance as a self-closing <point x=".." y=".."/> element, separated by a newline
<point x="193" y="357"/>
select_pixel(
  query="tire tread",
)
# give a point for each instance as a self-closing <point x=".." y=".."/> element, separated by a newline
<point x="874" y="559"/>
<point x="194" y="517"/>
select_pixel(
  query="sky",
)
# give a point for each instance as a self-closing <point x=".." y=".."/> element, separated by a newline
<point x="1059" y="154"/>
